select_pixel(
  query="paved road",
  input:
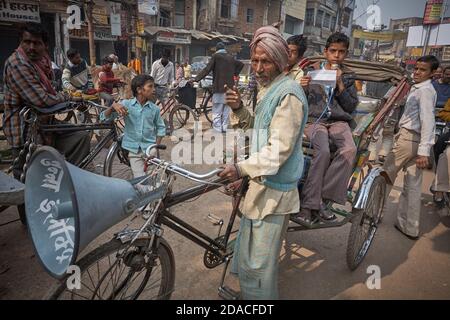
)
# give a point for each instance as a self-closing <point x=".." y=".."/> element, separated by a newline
<point x="312" y="263"/>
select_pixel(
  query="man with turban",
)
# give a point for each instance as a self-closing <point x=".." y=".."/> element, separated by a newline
<point x="274" y="166"/>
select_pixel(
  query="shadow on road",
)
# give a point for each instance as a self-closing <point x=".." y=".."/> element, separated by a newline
<point x="313" y="263"/>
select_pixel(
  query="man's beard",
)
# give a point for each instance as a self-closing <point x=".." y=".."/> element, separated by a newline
<point x="264" y="80"/>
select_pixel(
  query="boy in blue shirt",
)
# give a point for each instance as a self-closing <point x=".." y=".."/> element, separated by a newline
<point x="143" y="123"/>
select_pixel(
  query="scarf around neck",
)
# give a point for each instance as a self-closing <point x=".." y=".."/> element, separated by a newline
<point x="44" y="69"/>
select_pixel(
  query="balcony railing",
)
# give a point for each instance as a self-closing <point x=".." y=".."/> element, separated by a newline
<point x="331" y="4"/>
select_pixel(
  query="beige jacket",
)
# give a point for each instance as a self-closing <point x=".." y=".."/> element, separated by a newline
<point x="260" y="200"/>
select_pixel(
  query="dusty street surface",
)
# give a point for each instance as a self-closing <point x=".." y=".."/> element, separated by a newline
<point x="312" y="262"/>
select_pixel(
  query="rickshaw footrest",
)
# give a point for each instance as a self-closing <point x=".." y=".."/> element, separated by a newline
<point x="227" y="293"/>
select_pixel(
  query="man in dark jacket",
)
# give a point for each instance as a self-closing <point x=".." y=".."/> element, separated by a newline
<point x="224" y="67"/>
<point x="330" y="119"/>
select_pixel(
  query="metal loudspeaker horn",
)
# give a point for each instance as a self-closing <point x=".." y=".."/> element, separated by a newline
<point x="67" y="208"/>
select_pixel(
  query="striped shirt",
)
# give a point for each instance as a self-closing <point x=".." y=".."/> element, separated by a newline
<point x="22" y="87"/>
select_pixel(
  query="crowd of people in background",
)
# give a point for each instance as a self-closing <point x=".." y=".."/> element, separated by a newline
<point x="288" y="103"/>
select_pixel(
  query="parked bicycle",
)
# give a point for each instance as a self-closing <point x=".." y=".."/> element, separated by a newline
<point x="116" y="162"/>
<point x="140" y="263"/>
<point x="179" y="115"/>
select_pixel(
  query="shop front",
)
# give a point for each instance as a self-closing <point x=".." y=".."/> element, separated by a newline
<point x="13" y="15"/>
<point x="105" y="44"/>
<point x="160" y="40"/>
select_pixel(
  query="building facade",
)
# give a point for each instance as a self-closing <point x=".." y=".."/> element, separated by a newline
<point x="323" y="17"/>
<point x="399" y="49"/>
<point x="293" y="15"/>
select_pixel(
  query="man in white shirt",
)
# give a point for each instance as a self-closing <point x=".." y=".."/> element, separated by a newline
<point x="412" y="148"/>
<point x="163" y="73"/>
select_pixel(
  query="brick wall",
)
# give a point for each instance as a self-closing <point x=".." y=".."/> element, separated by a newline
<point x="274" y="11"/>
<point x="188" y="18"/>
<point x="242" y="25"/>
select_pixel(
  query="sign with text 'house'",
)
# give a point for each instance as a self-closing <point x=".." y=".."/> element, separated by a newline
<point x="19" y="11"/>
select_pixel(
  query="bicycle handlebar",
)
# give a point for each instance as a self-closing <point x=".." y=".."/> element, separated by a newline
<point x="176" y="169"/>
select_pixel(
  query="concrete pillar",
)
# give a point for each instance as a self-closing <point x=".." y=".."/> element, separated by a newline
<point x="58" y="46"/>
<point x="194" y="15"/>
<point x="66" y="38"/>
<point x="266" y="13"/>
<point x="213" y="15"/>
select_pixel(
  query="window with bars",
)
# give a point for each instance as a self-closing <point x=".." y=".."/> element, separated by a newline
<point x="229" y="9"/>
<point x="333" y="23"/>
<point x="292" y="25"/>
<point x="250" y="13"/>
<point x="164" y="18"/>
<point x="346" y="19"/>
<point x="319" y="18"/>
<point x="309" y="17"/>
<point x="327" y="21"/>
<point x="179" y="13"/>
<point x="225" y="9"/>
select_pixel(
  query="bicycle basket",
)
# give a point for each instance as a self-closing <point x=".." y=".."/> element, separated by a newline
<point x="188" y="96"/>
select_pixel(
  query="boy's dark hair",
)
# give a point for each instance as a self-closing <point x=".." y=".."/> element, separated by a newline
<point x="432" y="60"/>
<point x="107" y="60"/>
<point x="300" y="41"/>
<point x="71" y="53"/>
<point x="35" y="29"/>
<point x="139" y="81"/>
<point x="338" y="37"/>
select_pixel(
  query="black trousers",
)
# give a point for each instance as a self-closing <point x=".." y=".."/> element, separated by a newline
<point x="440" y="146"/>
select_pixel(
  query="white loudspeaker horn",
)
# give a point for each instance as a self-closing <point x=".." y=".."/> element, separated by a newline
<point x="67" y="208"/>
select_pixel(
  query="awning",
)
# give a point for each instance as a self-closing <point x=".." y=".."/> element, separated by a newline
<point x="154" y="30"/>
<point x="196" y="34"/>
<point x="202" y="35"/>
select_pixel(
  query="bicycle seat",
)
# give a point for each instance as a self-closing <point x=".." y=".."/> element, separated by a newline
<point x="63" y="106"/>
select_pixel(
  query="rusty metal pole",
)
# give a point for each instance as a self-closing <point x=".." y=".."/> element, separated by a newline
<point x="129" y="33"/>
<point x="89" y="8"/>
<point x="138" y="50"/>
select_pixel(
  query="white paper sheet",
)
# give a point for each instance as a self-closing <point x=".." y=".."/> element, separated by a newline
<point x="323" y="77"/>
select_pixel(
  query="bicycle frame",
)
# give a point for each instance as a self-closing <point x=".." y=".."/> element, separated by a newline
<point x="164" y="217"/>
<point x="68" y="127"/>
<point x="206" y="96"/>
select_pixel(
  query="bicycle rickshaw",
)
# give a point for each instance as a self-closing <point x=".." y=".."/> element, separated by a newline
<point x="139" y="263"/>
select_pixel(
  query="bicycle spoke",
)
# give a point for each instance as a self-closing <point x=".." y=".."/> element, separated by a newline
<point x="73" y="293"/>
<point x="92" y="281"/>
<point x="130" y="282"/>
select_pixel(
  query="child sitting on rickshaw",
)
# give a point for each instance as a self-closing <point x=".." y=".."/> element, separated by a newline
<point x="329" y="119"/>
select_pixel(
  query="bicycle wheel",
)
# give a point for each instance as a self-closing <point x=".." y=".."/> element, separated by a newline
<point x="182" y="117"/>
<point x="207" y="109"/>
<point x="117" y="164"/>
<point x="115" y="271"/>
<point x="365" y="224"/>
